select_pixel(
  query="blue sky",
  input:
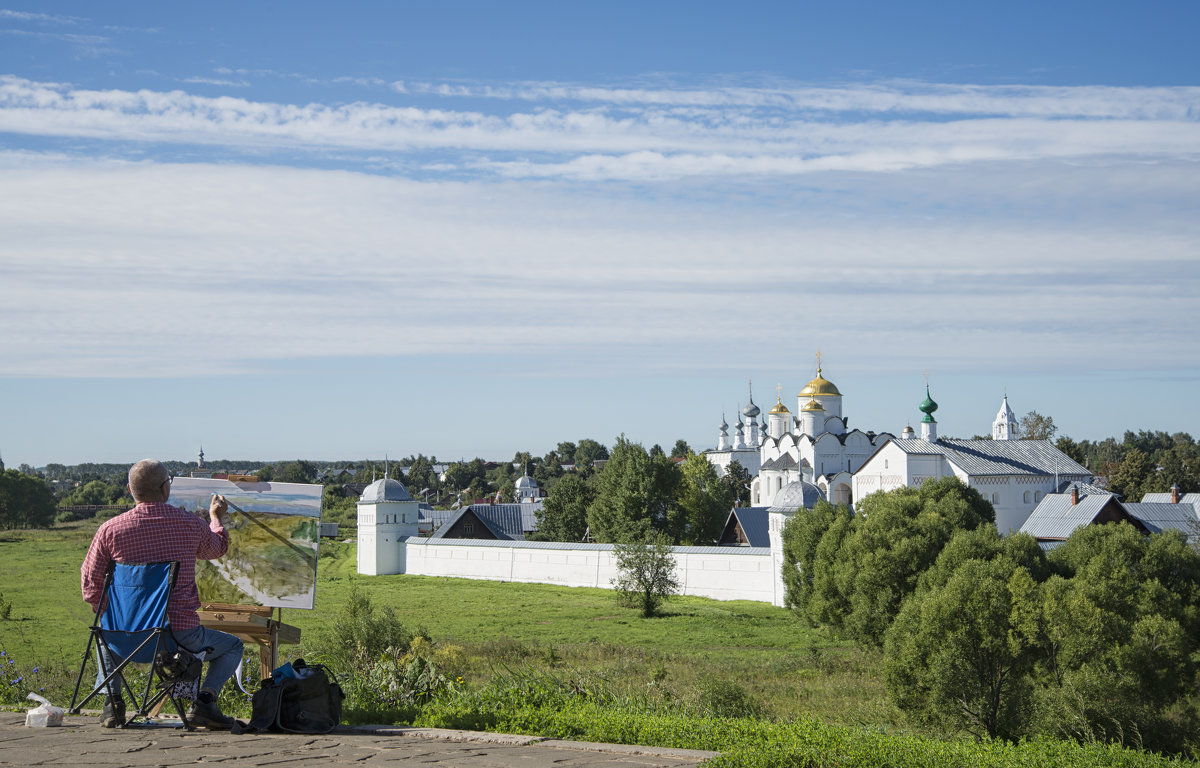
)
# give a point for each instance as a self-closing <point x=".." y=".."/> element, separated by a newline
<point x="301" y="230"/>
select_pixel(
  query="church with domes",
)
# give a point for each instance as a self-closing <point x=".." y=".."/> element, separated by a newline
<point x="818" y="448"/>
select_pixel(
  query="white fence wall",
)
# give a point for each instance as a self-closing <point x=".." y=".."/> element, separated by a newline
<point x="723" y="573"/>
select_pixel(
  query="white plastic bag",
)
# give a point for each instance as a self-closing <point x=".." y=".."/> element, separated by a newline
<point x="44" y="714"/>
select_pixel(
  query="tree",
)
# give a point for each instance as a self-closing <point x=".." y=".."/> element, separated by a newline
<point x="1132" y="476"/>
<point x="563" y="516"/>
<point x="1035" y="426"/>
<point x="952" y="657"/>
<point x="681" y="450"/>
<point x="645" y="572"/>
<point x="802" y="534"/>
<point x="737" y="480"/>
<point x="25" y="501"/>
<point x="298" y="471"/>
<point x="894" y="538"/>
<point x="1118" y="631"/>
<point x="460" y="474"/>
<point x="566" y="452"/>
<point x="587" y="452"/>
<point x="633" y="493"/>
<point x="701" y="505"/>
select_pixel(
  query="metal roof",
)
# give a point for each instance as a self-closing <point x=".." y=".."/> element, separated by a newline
<point x="795" y="495"/>
<point x="786" y="461"/>
<point x="1160" y="517"/>
<point x="386" y="489"/>
<point x="999" y="457"/>
<point x="1066" y="485"/>
<point x="755" y="524"/>
<point x="1161" y="498"/>
<point x="506" y="521"/>
<point x="1056" y="517"/>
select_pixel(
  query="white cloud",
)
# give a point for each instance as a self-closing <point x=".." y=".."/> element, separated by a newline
<point x="110" y="268"/>
<point x="644" y="135"/>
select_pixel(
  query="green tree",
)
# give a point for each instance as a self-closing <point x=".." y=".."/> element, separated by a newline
<point x="298" y="471"/>
<point x="737" y="480"/>
<point x="587" y="452"/>
<point x="1133" y="476"/>
<point x="952" y="657"/>
<point x="633" y="493"/>
<point x="548" y="469"/>
<point x="701" y="505"/>
<point x="802" y="534"/>
<point x="645" y="572"/>
<point x="459" y="475"/>
<point x="681" y="450"/>
<point x="25" y="501"/>
<point x="1118" y="629"/>
<point x="1035" y="426"/>
<point x="563" y="516"/>
<point x="896" y="536"/>
<point x="566" y="452"/>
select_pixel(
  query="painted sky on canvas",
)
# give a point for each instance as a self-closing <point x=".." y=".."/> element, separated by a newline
<point x="298" y="229"/>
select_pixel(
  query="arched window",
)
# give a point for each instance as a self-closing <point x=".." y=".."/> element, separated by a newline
<point x="995" y="497"/>
<point x="1028" y="497"/>
<point x="1037" y="496"/>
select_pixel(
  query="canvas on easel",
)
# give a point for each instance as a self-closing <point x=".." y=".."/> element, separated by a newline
<point x="273" y="538"/>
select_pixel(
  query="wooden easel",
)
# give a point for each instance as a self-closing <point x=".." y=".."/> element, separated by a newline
<point x="253" y="624"/>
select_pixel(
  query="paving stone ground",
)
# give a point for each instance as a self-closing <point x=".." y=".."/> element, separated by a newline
<point x="82" y="742"/>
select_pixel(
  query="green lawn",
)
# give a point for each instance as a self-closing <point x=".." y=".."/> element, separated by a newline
<point x="791" y="669"/>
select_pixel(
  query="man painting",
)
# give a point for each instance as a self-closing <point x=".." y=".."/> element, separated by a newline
<point x="154" y="532"/>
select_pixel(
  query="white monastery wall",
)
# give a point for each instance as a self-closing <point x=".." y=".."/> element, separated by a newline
<point x="722" y="573"/>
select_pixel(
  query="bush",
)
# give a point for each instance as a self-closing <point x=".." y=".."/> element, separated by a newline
<point x="645" y="573"/>
<point x="726" y="698"/>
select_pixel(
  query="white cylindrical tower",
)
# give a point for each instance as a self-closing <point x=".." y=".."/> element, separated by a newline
<point x="778" y="419"/>
<point x="751" y="413"/>
<point x="928" y="424"/>
<point x="812" y="418"/>
<point x="723" y="440"/>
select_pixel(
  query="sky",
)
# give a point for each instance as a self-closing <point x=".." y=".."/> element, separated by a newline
<point x="301" y="230"/>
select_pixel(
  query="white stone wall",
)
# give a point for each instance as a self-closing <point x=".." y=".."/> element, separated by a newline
<point x="722" y="573"/>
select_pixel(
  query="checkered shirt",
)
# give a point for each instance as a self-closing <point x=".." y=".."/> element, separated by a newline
<point x="156" y="533"/>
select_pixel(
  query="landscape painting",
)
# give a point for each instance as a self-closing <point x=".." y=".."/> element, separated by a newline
<point x="272" y="557"/>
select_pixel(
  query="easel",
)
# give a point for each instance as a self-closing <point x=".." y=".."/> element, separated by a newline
<point x="252" y="624"/>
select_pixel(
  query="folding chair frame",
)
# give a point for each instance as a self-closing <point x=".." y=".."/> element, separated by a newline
<point x="148" y="702"/>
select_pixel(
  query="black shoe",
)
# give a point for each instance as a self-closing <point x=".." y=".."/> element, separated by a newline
<point x="205" y="712"/>
<point x="113" y="714"/>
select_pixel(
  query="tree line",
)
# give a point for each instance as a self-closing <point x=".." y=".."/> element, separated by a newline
<point x="1095" y="640"/>
<point x="638" y="492"/>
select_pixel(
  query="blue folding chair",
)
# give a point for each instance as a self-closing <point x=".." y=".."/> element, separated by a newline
<point x="131" y="624"/>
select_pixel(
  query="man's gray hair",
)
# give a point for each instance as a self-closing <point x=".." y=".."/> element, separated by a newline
<point x="146" y="478"/>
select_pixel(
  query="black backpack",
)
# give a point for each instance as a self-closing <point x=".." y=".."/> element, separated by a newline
<point x="311" y="702"/>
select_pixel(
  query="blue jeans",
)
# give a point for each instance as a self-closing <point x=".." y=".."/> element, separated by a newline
<point x="222" y="661"/>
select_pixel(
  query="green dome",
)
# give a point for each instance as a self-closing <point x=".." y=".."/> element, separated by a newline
<point x="927" y="407"/>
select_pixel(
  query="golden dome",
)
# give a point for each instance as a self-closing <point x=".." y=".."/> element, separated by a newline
<point x="820" y="386"/>
<point x="813" y="405"/>
<point x="780" y="407"/>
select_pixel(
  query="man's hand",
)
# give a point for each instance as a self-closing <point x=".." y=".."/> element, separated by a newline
<point x="217" y="508"/>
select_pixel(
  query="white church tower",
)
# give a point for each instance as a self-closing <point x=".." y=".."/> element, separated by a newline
<point x="1005" y="425"/>
<point x="387" y="514"/>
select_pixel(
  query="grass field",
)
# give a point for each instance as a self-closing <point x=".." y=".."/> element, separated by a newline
<point x="790" y="669"/>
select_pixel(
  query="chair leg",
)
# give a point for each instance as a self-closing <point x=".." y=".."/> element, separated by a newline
<point x="87" y="653"/>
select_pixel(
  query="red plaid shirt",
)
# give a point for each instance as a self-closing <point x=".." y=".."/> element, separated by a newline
<point x="156" y="533"/>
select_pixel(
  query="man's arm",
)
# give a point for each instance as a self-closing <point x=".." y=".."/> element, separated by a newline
<point x="216" y="543"/>
<point x="94" y="569"/>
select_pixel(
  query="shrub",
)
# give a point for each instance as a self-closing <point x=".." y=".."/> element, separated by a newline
<point x="645" y="573"/>
<point x="726" y="698"/>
